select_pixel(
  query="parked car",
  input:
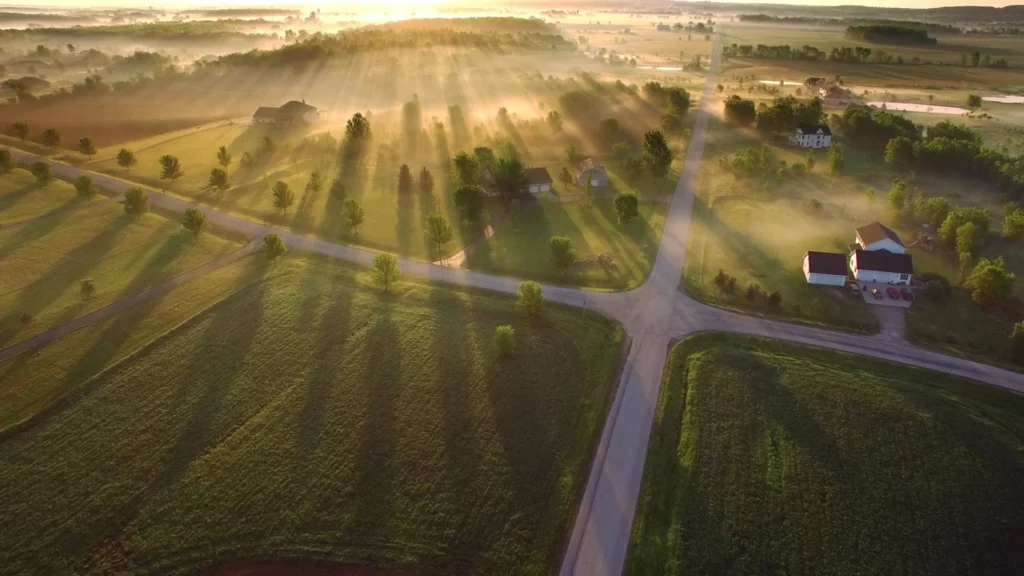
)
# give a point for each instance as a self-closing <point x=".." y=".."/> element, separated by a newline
<point x="893" y="292"/>
<point x="907" y="294"/>
<point x="854" y="289"/>
<point x="876" y="294"/>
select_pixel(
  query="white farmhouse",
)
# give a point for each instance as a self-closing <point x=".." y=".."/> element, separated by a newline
<point x="882" y="266"/>
<point x="876" y="236"/>
<point x="825" y="268"/>
<point x="812" y="136"/>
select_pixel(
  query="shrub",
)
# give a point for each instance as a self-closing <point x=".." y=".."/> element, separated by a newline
<point x="505" y="340"/>
<point x="529" y="298"/>
<point x="1017" y="342"/>
<point x="563" y="254"/>
<point x="775" y="299"/>
<point x="752" y="292"/>
<point x="42" y="172"/>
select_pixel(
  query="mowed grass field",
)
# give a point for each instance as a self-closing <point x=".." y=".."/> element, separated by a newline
<point x="396" y="221"/>
<point x="46" y="260"/>
<point x="774" y="458"/>
<point x="22" y="197"/>
<point x="310" y="417"/>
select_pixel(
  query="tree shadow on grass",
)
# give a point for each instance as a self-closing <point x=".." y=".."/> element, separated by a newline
<point x="378" y="434"/>
<point x="404" y="222"/>
<point x="38" y="295"/>
<point x="10" y="200"/>
<point x="38" y="227"/>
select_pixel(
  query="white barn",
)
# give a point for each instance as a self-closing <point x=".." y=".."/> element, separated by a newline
<point x="876" y="236"/>
<point x="825" y="268"/>
<point x="812" y="136"/>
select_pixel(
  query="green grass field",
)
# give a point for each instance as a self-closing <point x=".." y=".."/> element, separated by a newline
<point x="46" y="260"/>
<point x="520" y="248"/>
<point x="311" y="417"/>
<point x="761" y="237"/>
<point x="22" y="197"/>
<point x="774" y="458"/>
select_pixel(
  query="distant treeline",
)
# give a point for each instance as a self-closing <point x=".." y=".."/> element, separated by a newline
<point x="928" y="26"/>
<point x="41" y="17"/>
<point x="888" y="34"/>
<point x="475" y="24"/>
<point x="321" y="47"/>
<point x="855" y="54"/>
<point x="245" y="13"/>
<point x="154" y="30"/>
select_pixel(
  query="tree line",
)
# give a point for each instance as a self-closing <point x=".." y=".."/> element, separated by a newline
<point x="890" y="34"/>
<point x="849" y="54"/>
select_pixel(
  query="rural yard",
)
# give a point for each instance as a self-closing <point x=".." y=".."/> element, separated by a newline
<point x="631" y="289"/>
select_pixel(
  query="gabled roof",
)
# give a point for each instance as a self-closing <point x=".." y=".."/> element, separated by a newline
<point x="814" y="129"/>
<point x="884" y="261"/>
<point x="826" y="263"/>
<point x="877" y="231"/>
<point x="538" y="176"/>
<point x="296" y="108"/>
<point x="267" y="112"/>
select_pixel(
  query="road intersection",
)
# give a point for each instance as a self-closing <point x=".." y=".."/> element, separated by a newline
<point x="653" y="314"/>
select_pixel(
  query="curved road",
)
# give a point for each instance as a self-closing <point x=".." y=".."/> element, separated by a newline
<point x="653" y="314"/>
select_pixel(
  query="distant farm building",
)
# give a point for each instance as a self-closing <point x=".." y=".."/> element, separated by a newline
<point x="812" y="136"/>
<point x="292" y="113"/>
<point x="538" y="180"/>
<point x="597" y="174"/>
<point x="825" y="268"/>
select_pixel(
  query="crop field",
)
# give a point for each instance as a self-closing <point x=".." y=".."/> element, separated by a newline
<point x="311" y="417"/>
<point x="761" y="237"/>
<point x="22" y="197"/>
<point x="769" y="457"/>
<point x="45" y="261"/>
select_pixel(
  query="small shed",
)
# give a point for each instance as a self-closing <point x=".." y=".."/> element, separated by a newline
<point x="538" y="180"/>
<point x="825" y="268"/>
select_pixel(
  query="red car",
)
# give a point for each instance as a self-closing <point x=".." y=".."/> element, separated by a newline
<point x="907" y="294"/>
<point x="893" y="292"/>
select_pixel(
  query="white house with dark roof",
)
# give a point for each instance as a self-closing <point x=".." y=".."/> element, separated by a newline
<point x="882" y="266"/>
<point x="825" y="268"/>
<point x="812" y="136"/>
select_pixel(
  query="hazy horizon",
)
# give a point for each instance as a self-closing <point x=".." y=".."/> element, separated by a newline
<point x="426" y="4"/>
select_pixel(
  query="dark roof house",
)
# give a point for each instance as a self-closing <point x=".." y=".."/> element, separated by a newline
<point x="287" y="114"/>
<point x="826" y="263"/>
<point x="884" y="261"/>
<point x="814" y="129"/>
<point x="535" y="176"/>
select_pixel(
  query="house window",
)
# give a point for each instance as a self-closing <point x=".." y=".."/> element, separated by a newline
<point x="904" y="277"/>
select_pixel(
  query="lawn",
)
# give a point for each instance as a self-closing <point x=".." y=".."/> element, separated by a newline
<point x="22" y="197"/>
<point x="519" y="247"/>
<point x="768" y="457"/>
<point x="45" y="261"/>
<point x="761" y="237"/>
<point x="310" y="417"/>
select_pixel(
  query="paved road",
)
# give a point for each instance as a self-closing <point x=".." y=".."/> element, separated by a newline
<point x="653" y="314"/>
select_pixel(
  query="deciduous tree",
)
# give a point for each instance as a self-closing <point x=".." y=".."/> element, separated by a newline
<point x="505" y="340"/>
<point x="194" y="221"/>
<point x="273" y="246"/>
<point x="41" y="170"/>
<point x="470" y="201"/>
<point x="85" y="187"/>
<point x="385" y="269"/>
<point x="989" y="282"/>
<point x="426" y="181"/>
<point x="836" y="159"/>
<point x="627" y="206"/>
<point x="170" y="168"/>
<point x="126" y="158"/>
<point x="51" y="138"/>
<point x="6" y="161"/>
<point x="657" y="156"/>
<point x="219" y="179"/>
<point x="136" y="202"/>
<point x="20" y="130"/>
<point x="283" y="196"/>
<point x="85" y="146"/>
<point x="529" y="298"/>
<point x="439" y="231"/>
<point x="563" y="254"/>
<point x="467" y="169"/>
<point x="353" y="215"/>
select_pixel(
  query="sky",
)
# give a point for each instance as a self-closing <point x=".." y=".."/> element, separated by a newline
<point x="377" y="4"/>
